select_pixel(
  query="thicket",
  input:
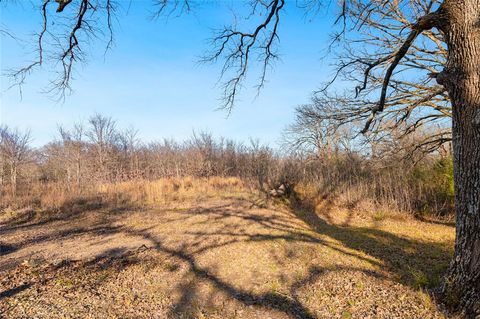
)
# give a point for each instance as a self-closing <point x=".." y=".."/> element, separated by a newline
<point x="98" y="157"/>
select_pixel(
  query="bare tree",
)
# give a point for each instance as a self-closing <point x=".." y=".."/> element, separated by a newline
<point x="74" y="148"/>
<point x="451" y="56"/>
<point x="318" y="138"/>
<point x="103" y="136"/>
<point x="129" y="145"/>
<point x="14" y="148"/>
<point x="261" y="163"/>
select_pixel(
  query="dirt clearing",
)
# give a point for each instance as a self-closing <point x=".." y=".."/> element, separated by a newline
<point x="218" y="258"/>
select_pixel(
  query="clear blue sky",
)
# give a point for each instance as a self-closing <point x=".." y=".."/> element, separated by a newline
<point x="151" y="79"/>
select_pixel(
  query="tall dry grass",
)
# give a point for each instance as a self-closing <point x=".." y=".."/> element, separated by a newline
<point x="138" y="193"/>
<point x="355" y="183"/>
<point x="166" y="190"/>
<point x="424" y="189"/>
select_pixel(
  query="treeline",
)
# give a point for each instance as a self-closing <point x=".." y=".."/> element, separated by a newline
<point x="98" y="152"/>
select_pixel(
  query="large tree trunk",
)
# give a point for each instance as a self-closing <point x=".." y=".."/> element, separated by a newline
<point x="461" y="77"/>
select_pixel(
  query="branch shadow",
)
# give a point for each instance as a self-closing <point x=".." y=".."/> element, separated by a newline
<point x="407" y="258"/>
<point x="13" y="291"/>
<point x="289" y="306"/>
<point x="400" y="256"/>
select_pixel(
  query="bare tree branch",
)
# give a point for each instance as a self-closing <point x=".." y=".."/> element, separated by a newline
<point x="236" y="48"/>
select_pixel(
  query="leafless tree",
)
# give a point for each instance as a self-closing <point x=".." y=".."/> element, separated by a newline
<point x="103" y="136"/>
<point x="15" y="150"/>
<point x="318" y="138"/>
<point x="74" y="148"/>
<point x="129" y="145"/>
<point x="261" y="163"/>
<point x="414" y="101"/>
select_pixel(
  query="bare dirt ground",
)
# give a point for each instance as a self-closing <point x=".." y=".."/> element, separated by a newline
<point x="219" y="258"/>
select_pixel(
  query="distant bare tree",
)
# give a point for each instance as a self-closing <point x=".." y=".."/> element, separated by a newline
<point x="15" y="150"/>
<point x="319" y="139"/>
<point x="103" y="136"/>
<point x="260" y="163"/>
<point x="129" y="145"/>
<point x="74" y="148"/>
<point x="205" y="152"/>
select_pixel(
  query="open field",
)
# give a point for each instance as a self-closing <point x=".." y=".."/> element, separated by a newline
<point x="217" y="253"/>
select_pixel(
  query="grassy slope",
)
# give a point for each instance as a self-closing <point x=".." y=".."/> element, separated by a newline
<point x="210" y="252"/>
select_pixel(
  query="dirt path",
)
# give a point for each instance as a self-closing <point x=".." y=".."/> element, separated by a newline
<point x="218" y="259"/>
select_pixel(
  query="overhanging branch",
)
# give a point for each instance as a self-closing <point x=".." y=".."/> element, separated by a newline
<point x="426" y="22"/>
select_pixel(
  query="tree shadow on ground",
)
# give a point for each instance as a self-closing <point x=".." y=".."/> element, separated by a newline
<point x="70" y="209"/>
<point x="407" y="259"/>
<point x="414" y="262"/>
<point x="13" y="291"/>
<point x="289" y="306"/>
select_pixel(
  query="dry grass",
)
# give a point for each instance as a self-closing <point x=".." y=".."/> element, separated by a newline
<point x="162" y="191"/>
<point x="139" y="193"/>
<point x="358" y="198"/>
<point x="203" y="249"/>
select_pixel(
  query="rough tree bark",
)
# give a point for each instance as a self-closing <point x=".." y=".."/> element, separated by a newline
<point x="461" y="77"/>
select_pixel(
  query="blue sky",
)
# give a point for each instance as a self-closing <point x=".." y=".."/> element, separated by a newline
<point x="151" y="78"/>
